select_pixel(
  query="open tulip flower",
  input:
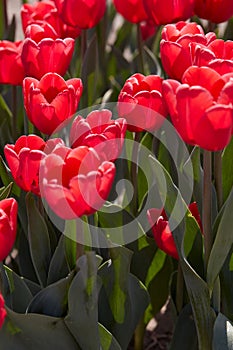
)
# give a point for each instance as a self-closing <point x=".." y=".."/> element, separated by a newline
<point x="201" y="107"/>
<point x="99" y="130"/>
<point x="24" y="158"/>
<point x="179" y="44"/>
<point x="51" y="100"/>
<point x="2" y="311"/>
<point x="141" y="103"/>
<point x="8" y="228"/>
<point x="46" y="13"/>
<point x="216" y="11"/>
<point x="75" y="182"/>
<point x="35" y="56"/>
<point x="11" y="67"/>
<point x="161" y="230"/>
<point x="81" y="13"/>
<point x="164" y="12"/>
<point x="133" y="11"/>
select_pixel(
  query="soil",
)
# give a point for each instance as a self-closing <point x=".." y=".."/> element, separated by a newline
<point x="159" y="331"/>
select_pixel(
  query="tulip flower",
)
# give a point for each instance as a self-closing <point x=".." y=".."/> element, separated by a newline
<point x="170" y="11"/>
<point x="75" y="182"/>
<point x="46" y="56"/>
<point x="11" y="67"/>
<point x="24" y="159"/>
<point x="51" y="100"/>
<point x="8" y="227"/>
<point x="201" y="107"/>
<point x="100" y="131"/>
<point x="179" y="44"/>
<point x="2" y="311"/>
<point x="133" y="11"/>
<point x="46" y="13"/>
<point x="161" y="230"/>
<point x="141" y="103"/>
<point x="147" y="29"/>
<point x="81" y="13"/>
<point x="216" y="11"/>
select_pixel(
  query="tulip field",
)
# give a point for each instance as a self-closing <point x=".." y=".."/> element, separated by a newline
<point x="116" y="174"/>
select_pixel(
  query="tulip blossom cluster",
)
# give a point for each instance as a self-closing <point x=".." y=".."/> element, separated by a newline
<point x="74" y="181"/>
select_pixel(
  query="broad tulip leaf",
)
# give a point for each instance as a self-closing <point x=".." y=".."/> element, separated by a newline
<point x="6" y="191"/>
<point x="223" y="333"/>
<point x="52" y="300"/>
<point x="123" y="299"/>
<point x="185" y="335"/>
<point x="16" y="291"/>
<point x="197" y="289"/>
<point x="35" y="332"/>
<point x="222" y="244"/>
<point x="82" y="318"/>
<point x="58" y="267"/>
<point x="227" y="168"/>
<point x="38" y="240"/>
<point x="108" y="342"/>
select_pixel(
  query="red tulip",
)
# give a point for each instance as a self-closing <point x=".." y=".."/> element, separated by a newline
<point x="75" y="182"/>
<point x="141" y="102"/>
<point x="201" y="107"/>
<point x="2" y="311"/>
<point x="161" y="230"/>
<point x="11" y="67"/>
<point x="216" y="11"/>
<point x="81" y="13"/>
<point x="132" y="10"/>
<point x="8" y="227"/>
<point x="47" y="56"/>
<point x="148" y="29"/>
<point x="51" y="100"/>
<point x="100" y="131"/>
<point x="164" y="12"/>
<point x="24" y="159"/>
<point x="45" y="13"/>
<point x="179" y="44"/>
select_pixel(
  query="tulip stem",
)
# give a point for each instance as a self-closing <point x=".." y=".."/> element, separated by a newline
<point x="134" y="171"/>
<point x="208" y="239"/>
<point x="139" y="336"/>
<point x="179" y="288"/>
<point x="5" y="14"/>
<point x="140" y="49"/>
<point x="83" y="44"/>
<point x="14" y="112"/>
<point x="218" y="177"/>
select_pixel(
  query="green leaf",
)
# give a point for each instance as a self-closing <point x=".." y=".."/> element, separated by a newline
<point x="222" y="244"/>
<point x="7" y="178"/>
<point x="38" y="240"/>
<point x="5" y="191"/>
<point x="223" y="333"/>
<point x="52" y="300"/>
<point x="16" y="291"/>
<point x="227" y="168"/>
<point x="123" y="299"/>
<point x="82" y="318"/>
<point x="35" y="332"/>
<point x="108" y="342"/>
<point x="185" y="335"/>
<point x="58" y="267"/>
<point x="197" y="289"/>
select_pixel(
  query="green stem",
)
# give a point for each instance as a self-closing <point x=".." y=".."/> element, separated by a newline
<point x="14" y="112"/>
<point x="208" y="239"/>
<point x="140" y="49"/>
<point x="218" y="177"/>
<point x="139" y="336"/>
<point x="179" y="289"/>
<point x="5" y="14"/>
<point x="83" y="44"/>
<point x="134" y="171"/>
